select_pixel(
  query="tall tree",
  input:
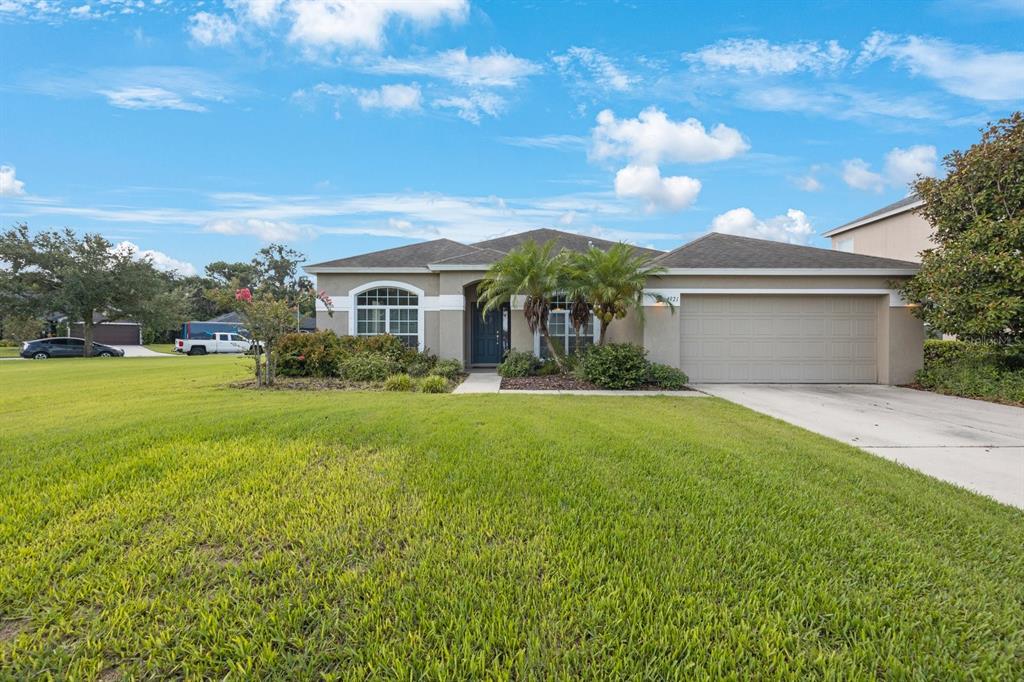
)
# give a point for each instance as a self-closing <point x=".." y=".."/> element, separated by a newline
<point x="531" y="272"/>
<point x="274" y="270"/>
<point x="85" y="278"/>
<point x="612" y="282"/>
<point x="972" y="283"/>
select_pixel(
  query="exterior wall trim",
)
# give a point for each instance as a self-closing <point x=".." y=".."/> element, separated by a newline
<point x="674" y="295"/>
<point x="319" y="270"/>
<point x="798" y="272"/>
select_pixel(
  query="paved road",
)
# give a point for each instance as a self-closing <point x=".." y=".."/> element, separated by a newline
<point x="971" y="443"/>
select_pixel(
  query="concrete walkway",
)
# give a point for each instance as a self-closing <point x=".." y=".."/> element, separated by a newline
<point x="972" y="443"/>
<point x="480" y="382"/>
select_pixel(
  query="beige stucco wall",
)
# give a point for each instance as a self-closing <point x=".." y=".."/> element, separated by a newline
<point x="906" y="345"/>
<point x="340" y="284"/>
<point x="445" y="332"/>
<point x="903" y="236"/>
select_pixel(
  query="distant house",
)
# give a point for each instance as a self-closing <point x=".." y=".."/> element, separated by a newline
<point x="111" y="332"/>
<point x="746" y="310"/>
<point x="894" y="231"/>
<point x="306" y="323"/>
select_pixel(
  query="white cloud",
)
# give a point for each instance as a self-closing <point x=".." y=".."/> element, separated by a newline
<point x="764" y="58"/>
<point x="857" y="173"/>
<point x="10" y="185"/>
<point x="393" y="98"/>
<point x="142" y="97"/>
<point x="808" y="183"/>
<point x="473" y="106"/>
<point x="144" y="87"/>
<point x="497" y="69"/>
<point x="326" y="24"/>
<point x="212" y="29"/>
<point x="902" y="166"/>
<point x="597" y="67"/>
<point x="259" y="12"/>
<point x="653" y="138"/>
<point x="547" y="142"/>
<point x="963" y="70"/>
<point x="840" y="102"/>
<point x="159" y="259"/>
<point x="645" y="182"/>
<point x="793" y="227"/>
<point x="267" y="230"/>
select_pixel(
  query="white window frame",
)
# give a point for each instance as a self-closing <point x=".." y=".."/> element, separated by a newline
<point x="537" y="341"/>
<point x="354" y="306"/>
<point x="844" y="244"/>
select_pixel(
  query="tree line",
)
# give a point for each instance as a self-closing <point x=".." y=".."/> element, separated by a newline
<point x="88" y="279"/>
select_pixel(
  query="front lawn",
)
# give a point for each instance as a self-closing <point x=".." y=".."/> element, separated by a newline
<point x="155" y="523"/>
<point x="9" y="351"/>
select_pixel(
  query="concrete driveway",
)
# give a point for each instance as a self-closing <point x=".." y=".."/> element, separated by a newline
<point x="974" y="444"/>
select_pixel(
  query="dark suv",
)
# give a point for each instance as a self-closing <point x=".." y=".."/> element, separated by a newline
<point x="65" y="347"/>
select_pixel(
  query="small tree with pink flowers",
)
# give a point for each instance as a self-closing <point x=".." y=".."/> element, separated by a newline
<point x="269" y="319"/>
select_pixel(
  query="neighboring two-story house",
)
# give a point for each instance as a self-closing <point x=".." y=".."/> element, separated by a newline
<point x="894" y="231"/>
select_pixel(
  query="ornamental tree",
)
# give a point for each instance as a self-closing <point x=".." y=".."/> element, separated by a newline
<point x="269" y="319"/>
<point x="972" y="283"/>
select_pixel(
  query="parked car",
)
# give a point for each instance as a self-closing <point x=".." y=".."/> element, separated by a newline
<point x="65" y="347"/>
<point x="221" y="342"/>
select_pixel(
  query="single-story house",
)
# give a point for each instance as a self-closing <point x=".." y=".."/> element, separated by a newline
<point x="745" y="310"/>
<point x="895" y="231"/>
<point x="110" y="332"/>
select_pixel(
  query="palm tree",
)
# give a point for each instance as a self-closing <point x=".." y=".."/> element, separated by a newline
<point x="533" y="273"/>
<point x="612" y="282"/>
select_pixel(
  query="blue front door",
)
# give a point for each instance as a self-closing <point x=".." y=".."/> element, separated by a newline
<point x="488" y="336"/>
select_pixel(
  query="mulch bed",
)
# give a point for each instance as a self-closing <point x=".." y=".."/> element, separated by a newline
<point x="556" y="382"/>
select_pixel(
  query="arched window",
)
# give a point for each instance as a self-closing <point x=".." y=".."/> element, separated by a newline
<point x="389" y="310"/>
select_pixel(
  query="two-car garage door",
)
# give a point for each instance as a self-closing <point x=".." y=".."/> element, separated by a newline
<point x="779" y="338"/>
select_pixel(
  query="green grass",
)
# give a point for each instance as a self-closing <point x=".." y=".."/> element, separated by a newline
<point x="161" y="347"/>
<point x="156" y="524"/>
<point x="9" y="351"/>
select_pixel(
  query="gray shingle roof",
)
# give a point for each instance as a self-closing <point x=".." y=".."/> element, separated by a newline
<point x="906" y="203"/>
<point x="716" y="250"/>
<point x="412" y="255"/>
<point x="448" y="252"/>
<point x="564" y="241"/>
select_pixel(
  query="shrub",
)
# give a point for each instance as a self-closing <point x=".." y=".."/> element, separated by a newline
<point x="518" y="364"/>
<point x="368" y="367"/>
<point x="666" y="377"/>
<point x="449" y="369"/>
<point x="387" y="345"/>
<point x="399" y="382"/>
<point x="420" y="364"/>
<point x="973" y="370"/>
<point x="618" y="366"/>
<point x="309" y="355"/>
<point x="939" y="350"/>
<point x="433" y="384"/>
<point x="547" y="369"/>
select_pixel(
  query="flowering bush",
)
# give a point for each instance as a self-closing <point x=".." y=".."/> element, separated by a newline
<point x="310" y="355"/>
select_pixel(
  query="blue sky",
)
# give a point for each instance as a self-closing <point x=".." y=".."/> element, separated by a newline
<point x="200" y="131"/>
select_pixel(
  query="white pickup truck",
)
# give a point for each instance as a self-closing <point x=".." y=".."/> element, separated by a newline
<point x="220" y="342"/>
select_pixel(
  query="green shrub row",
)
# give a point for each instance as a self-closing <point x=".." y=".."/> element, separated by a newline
<point x="432" y="383"/>
<point x="358" y="358"/>
<point x="973" y="370"/>
<point x="616" y="366"/>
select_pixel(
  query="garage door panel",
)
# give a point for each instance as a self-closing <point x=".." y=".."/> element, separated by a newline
<point x="779" y="338"/>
